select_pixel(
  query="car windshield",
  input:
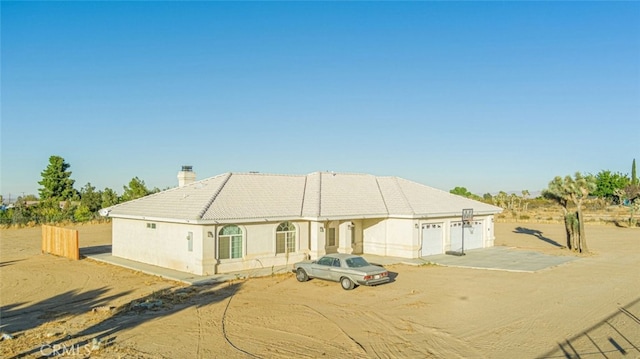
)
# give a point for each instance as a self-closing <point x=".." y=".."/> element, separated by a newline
<point x="356" y="262"/>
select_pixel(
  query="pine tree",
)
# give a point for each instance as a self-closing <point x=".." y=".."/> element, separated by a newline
<point x="56" y="182"/>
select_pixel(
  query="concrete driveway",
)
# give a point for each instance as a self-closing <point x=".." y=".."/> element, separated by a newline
<point x="500" y="258"/>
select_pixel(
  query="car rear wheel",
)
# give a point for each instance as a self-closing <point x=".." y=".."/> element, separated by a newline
<point x="346" y="283"/>
<point x="301" y="275"/>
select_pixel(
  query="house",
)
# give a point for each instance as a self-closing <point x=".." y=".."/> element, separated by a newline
<point x="239" y="221"/>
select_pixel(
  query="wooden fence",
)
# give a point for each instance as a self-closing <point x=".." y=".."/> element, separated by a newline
<point x="60" y="241"/>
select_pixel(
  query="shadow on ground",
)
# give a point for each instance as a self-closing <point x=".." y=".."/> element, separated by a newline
<point x="538" y="234"/>
<point x="17" y="317"/>
<point x="8" y="263"/>
<point x="117" y="319"/>
<point x="618" y="335"/>
<point x="85" y="251"/>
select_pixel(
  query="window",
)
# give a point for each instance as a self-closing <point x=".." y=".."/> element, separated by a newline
<point x="286" y="238"/>
<point x="356" y="262"/>
<point x="336" y="262"/>
<point x="190" y="241"/>
<point x="331" y="237"/>
<point x="151" y="225"/>
<point x="230" y="242"/>
<point x="325" y="261"/>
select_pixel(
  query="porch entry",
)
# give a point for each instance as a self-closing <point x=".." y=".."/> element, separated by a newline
<point x="332" y="239"/>
<point x="343" y="236"/>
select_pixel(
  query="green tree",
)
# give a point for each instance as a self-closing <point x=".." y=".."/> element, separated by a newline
<point x="632" y="193"/>
<point x="607" y="183"/>
<point x="21" y="214"/>
<point x="56" y="181"/>
<point x="461" y="191"/>
<point x="90" y="199"/>
<point x="83" y="213"/>
<point x="109" y="198"/>
<point x="136" y="189"/>
<point x="30" y="197"/>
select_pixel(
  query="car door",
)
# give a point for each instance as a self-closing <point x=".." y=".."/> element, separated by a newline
<point x="322" y="268"/>
<point x="336" y="271"/>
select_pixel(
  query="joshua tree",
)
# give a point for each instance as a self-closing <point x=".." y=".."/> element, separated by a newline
<point x="566" y="191"/>
<point x="525" y="196"/>
<point x="580" y="187"/>
<point x="557" y="193"/>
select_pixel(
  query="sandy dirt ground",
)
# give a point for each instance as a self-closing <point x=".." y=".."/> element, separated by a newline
<point x="587" y="308"/>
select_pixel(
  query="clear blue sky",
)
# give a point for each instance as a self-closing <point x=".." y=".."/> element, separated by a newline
<point x="486" y="95"/>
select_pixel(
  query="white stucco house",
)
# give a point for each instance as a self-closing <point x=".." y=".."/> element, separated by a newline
<point x="237" y="221"/>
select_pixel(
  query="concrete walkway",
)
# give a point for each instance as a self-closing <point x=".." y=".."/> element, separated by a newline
<point x="494" y="258"/>
<point x="184" y="277"/>
<point x="193" y="279"/>
<point x="501" y="258"/>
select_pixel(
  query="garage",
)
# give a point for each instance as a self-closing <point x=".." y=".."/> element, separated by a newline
<point x="432" y="239"/>
<point x="472" y="236"/>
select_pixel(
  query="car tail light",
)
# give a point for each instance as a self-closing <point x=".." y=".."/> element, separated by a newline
<point x="384" y="274"/>
<point x="368" y="277"/>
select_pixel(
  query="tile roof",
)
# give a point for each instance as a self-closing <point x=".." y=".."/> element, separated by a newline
<point x="250" y="197"/>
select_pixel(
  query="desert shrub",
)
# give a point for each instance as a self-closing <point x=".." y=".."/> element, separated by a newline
<point x="538" y="203"/>
<point x="524" y="217"/>
<point x="596" y="204"/>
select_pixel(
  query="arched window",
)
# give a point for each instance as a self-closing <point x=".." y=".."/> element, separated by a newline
<point x="230" y="242"/>
<point x="286" y="238"/>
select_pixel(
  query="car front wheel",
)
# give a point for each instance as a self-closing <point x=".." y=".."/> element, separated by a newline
<point x="347" y="284"/>
<point x="301" y="275"/>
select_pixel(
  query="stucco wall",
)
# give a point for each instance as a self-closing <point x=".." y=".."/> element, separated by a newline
<point x="166" y="245"/>
<point x="401" y="238"/>
<point x="390" y="237"/>
<point x="260" y="248"/>
<point x="374" y="233"/>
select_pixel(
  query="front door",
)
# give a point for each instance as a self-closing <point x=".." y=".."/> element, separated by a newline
<point x="332" y="238"/>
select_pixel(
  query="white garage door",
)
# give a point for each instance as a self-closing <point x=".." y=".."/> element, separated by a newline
<point x="432" y="239"/>
<point x="472" y="236"/>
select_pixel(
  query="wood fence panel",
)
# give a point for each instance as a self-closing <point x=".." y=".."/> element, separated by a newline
<point x="61" y="242"/>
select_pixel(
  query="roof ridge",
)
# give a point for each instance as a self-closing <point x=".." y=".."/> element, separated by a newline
<point x="304" y="192"/>
<point x="320" y="194"/>
<point x="215" y="195"/>
<point x="404" y="196"/>
<point x="266" y="174"/>
<point x="382" y="195"/>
